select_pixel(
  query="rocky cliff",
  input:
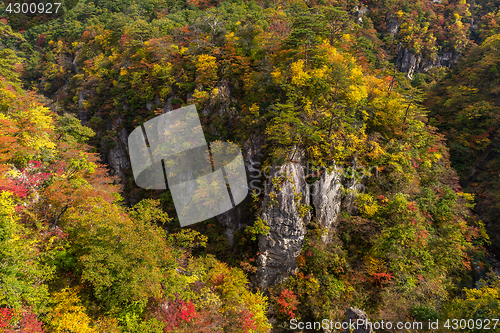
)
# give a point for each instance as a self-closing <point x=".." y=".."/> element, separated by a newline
<point x="117" y="156"/>
<point x="285" y="198"/>
<point x="326" y="197"/>
<point x="238" y="217"/>
<point x="290" y="203"/>
<point x="409" y="63"/>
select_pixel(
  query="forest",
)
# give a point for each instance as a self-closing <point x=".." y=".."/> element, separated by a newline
<point x="370" y="135"/>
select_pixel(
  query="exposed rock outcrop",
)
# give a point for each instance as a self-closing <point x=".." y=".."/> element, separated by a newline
<point x="168" y="105"/>
<point x="326" y="198"/>
<point x="352" y="186"/>
<point x="117" y="156"/>
<point x="409" y="63"/>
<point x="393" y="26"/>
<point x="237" y="218"/>
<point x="281" y="211"/>
<point x="333" y="192"/>
<point x="149" y="105"/>
<point x="82" y="112"/>
<point x="361" y="11"/>
<point x="359" y="317"/>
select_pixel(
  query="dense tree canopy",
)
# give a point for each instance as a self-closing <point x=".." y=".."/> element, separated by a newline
<point x="316" y="81"/>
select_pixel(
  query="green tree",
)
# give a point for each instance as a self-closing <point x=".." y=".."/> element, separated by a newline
<point x="123" y="258"/>
<point x="23" y="276"/>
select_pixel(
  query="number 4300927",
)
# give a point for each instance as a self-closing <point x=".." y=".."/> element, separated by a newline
<point x="33" y="8"/>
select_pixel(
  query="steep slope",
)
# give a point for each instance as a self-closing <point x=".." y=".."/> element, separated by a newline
<point x="465" y="105"/>
<point x="74" y="258"/>
<point x="354" y="202"/>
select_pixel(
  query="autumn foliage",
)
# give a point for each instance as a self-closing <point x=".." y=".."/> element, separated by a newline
<point x="83" y="249"/>
<point x="288" y="303"/>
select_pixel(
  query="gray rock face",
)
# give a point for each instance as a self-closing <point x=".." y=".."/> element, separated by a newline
<point x="409" y="63"/>
<point x="168" y="105"/>
<point x="361" y="11"/>
<point x="283" y="244"/>
<point x="393" y="26"/>
<point x="333" y="192"/>
<point x="326" y="199"/>
<point x="232" y="220"/>
<point x="117" y="156"/>
<point x="352" y="187"/>
<point x="149" y="105"/>
<point x="357" y="316"/>
<point x="238" y="218"/>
